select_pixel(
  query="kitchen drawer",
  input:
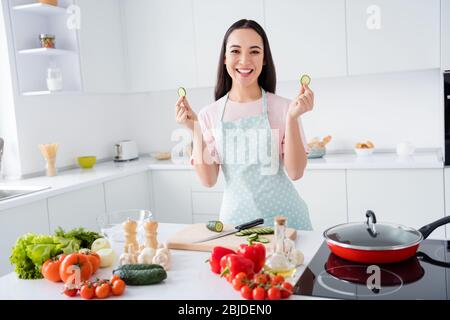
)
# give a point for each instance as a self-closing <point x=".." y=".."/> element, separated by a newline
<point x="203" y="218"/>
<point x="207" y="203"/>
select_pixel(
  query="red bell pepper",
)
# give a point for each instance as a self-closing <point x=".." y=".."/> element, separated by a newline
<point x="216" y="254"/>
<point x="255" y="252"/>
<point x="234" y="264"/>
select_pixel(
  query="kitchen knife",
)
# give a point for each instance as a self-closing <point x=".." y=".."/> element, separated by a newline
<point x="238" y="228"/>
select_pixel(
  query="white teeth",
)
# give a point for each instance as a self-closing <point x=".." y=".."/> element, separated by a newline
<point x="244" y="70"/>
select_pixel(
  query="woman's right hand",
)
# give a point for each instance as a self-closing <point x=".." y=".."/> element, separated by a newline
<point x="184" y="114"/>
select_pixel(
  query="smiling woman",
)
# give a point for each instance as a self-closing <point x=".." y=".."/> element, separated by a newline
<point x="246" y="107"/>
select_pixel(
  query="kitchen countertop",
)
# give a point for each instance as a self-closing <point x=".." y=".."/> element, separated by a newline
<point x="188" y="279"/>
<point x="78" y="178"/>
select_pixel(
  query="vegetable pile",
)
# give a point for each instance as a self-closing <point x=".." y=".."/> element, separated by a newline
<point x="32" y="250"/>
<point x="244" y="270"/>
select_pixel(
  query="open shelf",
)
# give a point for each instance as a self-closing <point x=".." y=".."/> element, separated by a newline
<point x="40" y="8"/>
<point x="46" y="52"/>
<point x="41" y="93"/>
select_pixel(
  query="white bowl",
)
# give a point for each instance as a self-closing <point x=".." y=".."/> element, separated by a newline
<point x="364" y="152"/>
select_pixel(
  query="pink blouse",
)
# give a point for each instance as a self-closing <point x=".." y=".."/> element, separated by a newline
<point x="277" y="107"/>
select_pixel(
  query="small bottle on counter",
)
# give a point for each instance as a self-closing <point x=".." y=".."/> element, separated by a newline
<point x="278" y="262"/>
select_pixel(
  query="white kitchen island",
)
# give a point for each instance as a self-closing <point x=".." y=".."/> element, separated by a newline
<point x="189" y="278"/>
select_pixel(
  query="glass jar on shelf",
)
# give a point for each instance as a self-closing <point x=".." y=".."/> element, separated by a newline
<point x="279" y="262"/>
<point x="47" y="40"/>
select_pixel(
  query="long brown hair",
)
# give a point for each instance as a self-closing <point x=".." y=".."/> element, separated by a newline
<point x="267" y="79"/>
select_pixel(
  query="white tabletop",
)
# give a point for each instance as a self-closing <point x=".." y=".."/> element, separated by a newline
<point x="189" y="277"/>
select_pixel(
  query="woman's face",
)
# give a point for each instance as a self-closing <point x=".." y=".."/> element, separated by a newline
<point x="244" y="56"/>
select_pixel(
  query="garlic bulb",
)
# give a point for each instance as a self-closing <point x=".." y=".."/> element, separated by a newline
<point x="146" y="256"/>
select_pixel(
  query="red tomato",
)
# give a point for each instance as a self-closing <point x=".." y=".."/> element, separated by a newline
<point x="260" y="278"/>
<point x="103" y="290"/>
<point x="259" y="293"/>
<point x="50" y="269"/>
<point x="246" y="292"/>
<point x="286" y="290"/>
<point x="241" y="276"/>
<point x="118" y="287"/>
<point x="93" y="258"/>
<point x="87" y="291"/>
<point x="70" y="292"/>
<point x="276" y="280"/>
<point x="274" y="293"/>
<point x="238" y="283"/>
<point x="114" y="278"/>
<point x="72" y="264"/>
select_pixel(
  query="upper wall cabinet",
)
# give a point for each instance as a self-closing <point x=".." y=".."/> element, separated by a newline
<point x="392" y="35"/>
<point x="445" y="34"/>
<point x="101" y="46"/>
<point x="307" y="37"/>
<point x="212" y="18"/>
<point x="160" y="44"/>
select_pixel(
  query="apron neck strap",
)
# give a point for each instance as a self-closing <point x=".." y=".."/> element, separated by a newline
<point x="264" y="104"/>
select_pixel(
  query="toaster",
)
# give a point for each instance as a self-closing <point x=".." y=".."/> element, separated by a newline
<point x="125" y="151"/>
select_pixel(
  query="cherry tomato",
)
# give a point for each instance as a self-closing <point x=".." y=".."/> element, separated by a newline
<point x="276" y="280"/>
<point x="241" y="275"/>
<point x="87" y="291"/>
<point x="286" y="290"/>
<point x="70" y="292"/>
<point x="103" y="290"/>
<point x="260" y="278"/>
<point x="114" y="277"/>
<point x="274" y="293"/>
<point x="118" y="287"/>
<point x="259" y="293"/>
<point x="246" y="292"/>
<point x="238" y="283"/>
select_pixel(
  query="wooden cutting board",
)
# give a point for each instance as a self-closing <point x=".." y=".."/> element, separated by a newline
<point x="184" y="238"/>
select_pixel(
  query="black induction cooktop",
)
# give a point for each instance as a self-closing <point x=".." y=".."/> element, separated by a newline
<point x="426" y="276"/>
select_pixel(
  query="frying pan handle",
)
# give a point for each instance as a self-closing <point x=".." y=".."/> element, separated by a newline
<point x="429" y="228"/>
<point x="371" y="221"/>
<point x="426" y="258"/>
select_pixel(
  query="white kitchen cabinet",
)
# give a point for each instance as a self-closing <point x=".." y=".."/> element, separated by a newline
<point x="102" y="46"/>
<point x="307" y="37"/>
<point x="212" y="18"/>
<point x="160" y="44"/>
<point x="445" y="34"/>
<point x="131" y="192"/>
<point x="172" y="196"/>
<point x="17" y="222"/>
<point x="324" y="191"/>
<point x="392" y="35"/>
<point x="76" y="209"/>
<point x="447" y="197"/>
<point x="412" y="197"/>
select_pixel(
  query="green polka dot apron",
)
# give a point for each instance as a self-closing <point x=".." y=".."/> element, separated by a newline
<point x="256" y="189"/>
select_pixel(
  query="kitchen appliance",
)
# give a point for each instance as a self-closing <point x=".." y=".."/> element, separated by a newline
<point x="125" y="151"/>
<point x="238" y="228"/>
<point x="424" y="276"/>
<point x="447" y="117"/>
<point x="373" y="242"/>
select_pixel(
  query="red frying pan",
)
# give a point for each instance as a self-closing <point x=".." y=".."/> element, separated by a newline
<point x="377" y="243"/>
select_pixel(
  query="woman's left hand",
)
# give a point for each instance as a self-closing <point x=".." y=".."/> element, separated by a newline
<point x="303" y="103"/>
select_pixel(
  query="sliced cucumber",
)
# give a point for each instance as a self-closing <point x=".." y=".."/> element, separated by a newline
<point x="262" y="240"/>
<point x="305" y="79"/>
<point x="182" y="92"/>
<point x="216" y="226"/>
<point x="260" y="230"/>
<point x="253" y="236"/>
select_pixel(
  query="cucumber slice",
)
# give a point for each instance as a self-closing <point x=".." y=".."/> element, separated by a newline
<point x="182" y="92"/>
<point x="262" y="240"/>
<point x="305" y="79"/>
<point x="216" y="226"/>
<point x="252" y="237"/>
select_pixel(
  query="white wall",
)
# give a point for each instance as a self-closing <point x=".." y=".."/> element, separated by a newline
<point x="385" y="108"/>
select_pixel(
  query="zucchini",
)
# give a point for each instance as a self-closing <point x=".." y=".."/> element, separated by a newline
<point x="260" y="230"/>
<point x="144" y="277"/>
<point x="182" y="92"/>
<point x="139" y="266"/>
<point x="216" y="226"/>
<point x="305" y="79"/>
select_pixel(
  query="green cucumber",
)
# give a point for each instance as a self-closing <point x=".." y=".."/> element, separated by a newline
<point x="141" y="277"/>
<point x="260" y="230"/>
<point x="139" y="266"/>
<point x="216" y="226"/>
<point x="262" y="240"/>
<point x="182" y="92"/>
<point x="305" y="79"/>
